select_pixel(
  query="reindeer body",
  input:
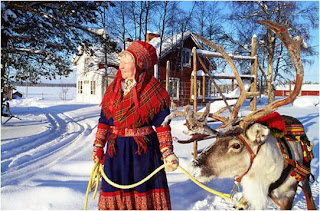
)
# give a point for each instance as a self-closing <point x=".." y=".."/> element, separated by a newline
<point x="228" y="157"/>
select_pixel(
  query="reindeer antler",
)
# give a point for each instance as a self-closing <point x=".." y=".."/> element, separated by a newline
<point x="243" y="93"/>
<point x="293" y="46"/>
<point x="197" y="126"/>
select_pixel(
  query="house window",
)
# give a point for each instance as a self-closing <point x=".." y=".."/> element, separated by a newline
<point x="80" y="87"/>
<point x="186" y="57"/>
<point x="93" y="87"/>
<point x="174" y="88"/>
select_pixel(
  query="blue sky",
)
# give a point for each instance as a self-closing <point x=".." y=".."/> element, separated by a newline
<point x="311" y="73"/>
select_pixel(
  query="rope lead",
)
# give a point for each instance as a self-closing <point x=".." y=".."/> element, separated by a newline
<point x="97" y="172"/>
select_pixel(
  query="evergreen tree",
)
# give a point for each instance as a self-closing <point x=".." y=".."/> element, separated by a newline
<point x="38" y="39"/>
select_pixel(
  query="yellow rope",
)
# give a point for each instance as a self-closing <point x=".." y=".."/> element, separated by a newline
<point x="218" y="193"/>
<point x="133" y="185"/>
<point x="98" y="172"/>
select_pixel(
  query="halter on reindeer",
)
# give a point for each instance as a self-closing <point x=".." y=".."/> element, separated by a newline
<point x="267" y="153"/>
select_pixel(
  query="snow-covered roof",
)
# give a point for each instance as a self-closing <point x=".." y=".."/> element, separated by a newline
<point x="222" y="75"/>
<point x="113" y="58"/>
<point x="168" y="42"/>
<point x="305" y="87"/>
<point x="217" y="54"/>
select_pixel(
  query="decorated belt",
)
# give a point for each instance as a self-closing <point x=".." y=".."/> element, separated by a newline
<point x="142" y="131"/>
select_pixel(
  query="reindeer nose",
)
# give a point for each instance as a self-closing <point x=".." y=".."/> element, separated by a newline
<point x="195" y="163"/>
<point x="196" y="172"/>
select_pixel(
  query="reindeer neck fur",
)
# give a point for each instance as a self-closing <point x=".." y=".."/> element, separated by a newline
<point x="266" y="169"/>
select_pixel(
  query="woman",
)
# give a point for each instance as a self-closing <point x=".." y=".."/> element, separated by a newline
<point x="133" y="103"/>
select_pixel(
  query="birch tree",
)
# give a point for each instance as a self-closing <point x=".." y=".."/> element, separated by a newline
<point x="299" y="16"/>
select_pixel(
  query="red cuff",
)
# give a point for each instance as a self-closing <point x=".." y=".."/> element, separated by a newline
<point x="103" y="126"/>
<point x="163" y="128"/>
<point x="101" y="134"/>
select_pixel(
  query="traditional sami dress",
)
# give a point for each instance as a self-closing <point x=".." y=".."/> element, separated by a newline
<point x="133" y="147"/>
<point x="131" y="158"/>
<point x="127" y="167"/>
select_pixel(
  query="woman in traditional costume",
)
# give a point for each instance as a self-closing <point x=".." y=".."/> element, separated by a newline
<point x="133" y="104"/>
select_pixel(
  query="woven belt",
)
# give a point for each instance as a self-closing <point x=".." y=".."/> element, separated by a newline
<point x="142" y="131"/>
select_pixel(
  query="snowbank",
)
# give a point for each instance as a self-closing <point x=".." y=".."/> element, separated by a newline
<point x="306" y="101"/>
<point x="217" y="105"/>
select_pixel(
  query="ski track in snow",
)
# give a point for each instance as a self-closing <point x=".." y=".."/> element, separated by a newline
<point x="27" y="156"/>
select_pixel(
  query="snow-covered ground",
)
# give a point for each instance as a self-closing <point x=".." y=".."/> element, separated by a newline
<point x="46" y="156"/>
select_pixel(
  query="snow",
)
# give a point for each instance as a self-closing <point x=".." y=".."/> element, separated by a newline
<point x="217" y="105"/>
<point x="200" y="73"/>
<point x="305" y="87"/>
<point x="231" y="75"/>
<point x="98" y="31"/>
<point x="216" y="54"/>
<point x="306" y="101"/>
<point x="46" y="156"/>
<point x="168" y="42"/>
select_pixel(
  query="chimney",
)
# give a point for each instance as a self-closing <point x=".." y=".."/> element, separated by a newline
<point x="151" y="35"/>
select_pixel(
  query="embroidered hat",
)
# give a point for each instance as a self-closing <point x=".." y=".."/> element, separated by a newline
<point x="144" y="54"/>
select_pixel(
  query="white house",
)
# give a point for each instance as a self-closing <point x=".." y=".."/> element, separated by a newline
<point x="92" y="77"/>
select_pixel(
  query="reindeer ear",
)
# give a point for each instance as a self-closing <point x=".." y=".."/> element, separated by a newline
<point x="257" y="133"/>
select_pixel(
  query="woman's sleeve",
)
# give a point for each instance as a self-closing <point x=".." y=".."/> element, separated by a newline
<point x="102" y="131"/>
<point x="163" y="133"/>
<point x="103" y="119"/>
<point x="158" y="119"/>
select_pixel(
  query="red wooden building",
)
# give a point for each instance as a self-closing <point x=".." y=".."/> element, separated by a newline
<point x="306" y="89"/>
<point x="177" y="50"/>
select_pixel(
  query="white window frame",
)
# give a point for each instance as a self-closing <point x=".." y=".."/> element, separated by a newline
<point x="93" y="87"/>
<point x="80" y="87"/>
<point x="186" y="62"/>
<point x="174" y="83"/>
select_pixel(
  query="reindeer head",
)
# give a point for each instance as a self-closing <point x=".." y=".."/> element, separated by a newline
<point x="228" y="156"/>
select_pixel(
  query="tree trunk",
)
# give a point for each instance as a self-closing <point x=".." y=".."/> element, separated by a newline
<point x="162" y="31"/>
<point x="146" y="20"/>
<point x="133" y="5"/>
<point x="271" y="46"/>
<point x="140" y="19"/>
<point x="123" y="25"/>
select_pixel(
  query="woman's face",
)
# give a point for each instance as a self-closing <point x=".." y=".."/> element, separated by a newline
<point x="127" y="66"/>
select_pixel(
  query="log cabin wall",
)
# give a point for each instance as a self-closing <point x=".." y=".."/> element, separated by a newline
<point x="175" y="59"/>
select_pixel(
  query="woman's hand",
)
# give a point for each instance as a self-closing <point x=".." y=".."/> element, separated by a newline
<point x="98" y="154"/>
<point x="173" y="162"/>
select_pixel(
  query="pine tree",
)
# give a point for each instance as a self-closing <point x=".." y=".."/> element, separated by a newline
<point x="40" y="38"/>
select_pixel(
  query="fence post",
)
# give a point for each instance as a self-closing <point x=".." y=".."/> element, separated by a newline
<point x="204" y="88"/>
<point x="194" y="54"/>
<point x="167" y="75"/>
<point x="254" y="71"/>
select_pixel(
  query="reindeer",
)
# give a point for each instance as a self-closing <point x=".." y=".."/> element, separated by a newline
<point x="247" y="150"/>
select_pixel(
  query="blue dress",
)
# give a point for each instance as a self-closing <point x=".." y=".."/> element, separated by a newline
<point x="127" y="167"/>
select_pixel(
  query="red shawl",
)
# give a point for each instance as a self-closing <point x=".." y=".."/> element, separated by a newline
<point x="134" y="109"/>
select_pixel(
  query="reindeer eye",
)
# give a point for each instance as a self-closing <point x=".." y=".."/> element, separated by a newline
<point x="235" y="146"/>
